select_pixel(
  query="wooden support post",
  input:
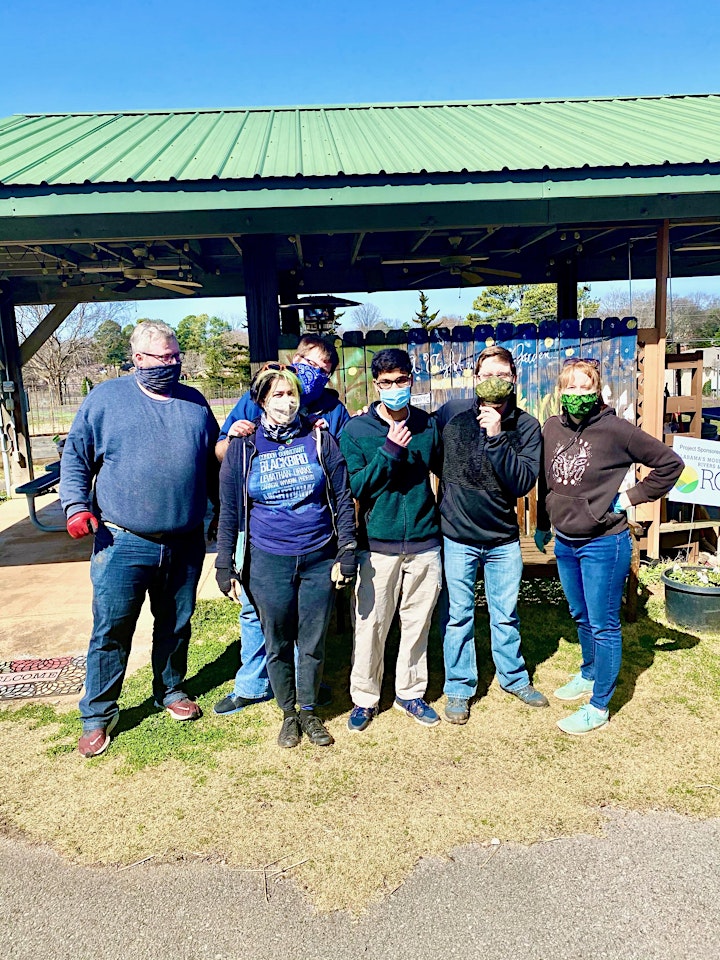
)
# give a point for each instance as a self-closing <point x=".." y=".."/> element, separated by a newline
<point x="261" y="293"/>
<point x="289" y="319"/>
<point x="652" y="377"/>
<point x="567" y="305"/>
<point x="13" y="411"/>
<point x="45" y="329"/>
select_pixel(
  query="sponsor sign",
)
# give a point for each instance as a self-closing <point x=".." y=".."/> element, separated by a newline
<point x="700" y="480"/>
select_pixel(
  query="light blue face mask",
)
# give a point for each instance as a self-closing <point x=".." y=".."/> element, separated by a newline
<point x="396" y="397"/>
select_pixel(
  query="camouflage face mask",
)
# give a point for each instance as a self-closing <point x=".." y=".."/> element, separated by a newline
<point x="578" y="404"/>
<point x="494" y="389"/>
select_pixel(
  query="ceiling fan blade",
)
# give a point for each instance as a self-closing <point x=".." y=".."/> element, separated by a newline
<point x="414" y="283"/>
<point x="187" y="290"/>
<point x="411" y="260"/>
<point x="125" y="286"/>
<point x="159" y="282"/>
<point x="502" y="273"/>
<point x="471" y="278"/>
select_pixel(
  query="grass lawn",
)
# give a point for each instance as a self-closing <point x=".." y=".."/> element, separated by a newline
<point x="361" y="813"/>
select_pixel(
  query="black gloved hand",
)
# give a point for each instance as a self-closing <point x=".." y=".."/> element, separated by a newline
<point x="223" y="576"/>
<point x="345" y="566"/>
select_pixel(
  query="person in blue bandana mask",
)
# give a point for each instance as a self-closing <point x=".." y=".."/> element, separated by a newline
<point x="138" y="468"/>
<point x="314" y="362"/>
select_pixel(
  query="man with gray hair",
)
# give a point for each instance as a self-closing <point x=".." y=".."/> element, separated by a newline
<point x="137" y="470"/>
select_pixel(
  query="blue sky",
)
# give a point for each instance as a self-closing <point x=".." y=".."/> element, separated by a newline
<point x="89" y="56"/>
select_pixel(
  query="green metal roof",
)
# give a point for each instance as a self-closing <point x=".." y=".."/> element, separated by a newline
<point x="364" y="140"/>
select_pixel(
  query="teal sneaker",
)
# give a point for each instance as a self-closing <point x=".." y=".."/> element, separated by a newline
<point x="584" y="720"/>
<point x="575" y="689"/>
<point x="417" y="710"/>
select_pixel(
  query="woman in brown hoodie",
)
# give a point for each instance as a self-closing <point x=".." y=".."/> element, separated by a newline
<point x="587" y="452"/>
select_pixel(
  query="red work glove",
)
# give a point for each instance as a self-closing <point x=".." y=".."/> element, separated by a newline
<point x="81" y="524"/>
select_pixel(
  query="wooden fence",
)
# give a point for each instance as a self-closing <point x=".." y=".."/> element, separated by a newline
<point x="443" y="360"/>
<point x="443" y="363"/>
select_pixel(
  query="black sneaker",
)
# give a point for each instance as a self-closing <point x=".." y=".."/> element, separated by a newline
<point x="232" y="704"/>
<point x="314" y="729"/>
<point x="290" y="734"/>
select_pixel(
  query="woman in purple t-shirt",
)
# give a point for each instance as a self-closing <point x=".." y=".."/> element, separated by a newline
<point x="284" y="491"/>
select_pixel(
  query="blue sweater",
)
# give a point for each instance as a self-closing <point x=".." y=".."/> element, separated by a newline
<point x="327" y="407"/>
<point x="152" y="461"/>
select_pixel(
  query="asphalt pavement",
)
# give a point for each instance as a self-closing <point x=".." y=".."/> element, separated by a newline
<point x="649" y="889"/>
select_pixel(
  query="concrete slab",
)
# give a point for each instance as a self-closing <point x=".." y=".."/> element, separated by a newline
<point x="45" y="610"/>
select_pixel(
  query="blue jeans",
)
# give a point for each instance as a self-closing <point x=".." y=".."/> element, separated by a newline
<point x="251" y="680"/>
<point x="294" y="597"/>
<point x="502" y="570"/>
<point x="593" y="576"/>
<point x="123" y="569"/>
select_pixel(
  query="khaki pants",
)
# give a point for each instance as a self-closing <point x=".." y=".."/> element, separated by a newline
<point x="415" y="581"/>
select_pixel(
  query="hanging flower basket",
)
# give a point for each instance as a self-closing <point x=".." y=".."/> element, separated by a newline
<point x="692" y="597"/>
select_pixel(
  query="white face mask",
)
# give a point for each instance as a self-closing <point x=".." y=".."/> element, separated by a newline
<point x="282" y="410"/>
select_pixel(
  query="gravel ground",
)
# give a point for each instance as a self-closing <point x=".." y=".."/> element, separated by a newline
<point x="649" y="889"/>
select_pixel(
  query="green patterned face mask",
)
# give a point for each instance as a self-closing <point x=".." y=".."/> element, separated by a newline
<point x="494" y="389"/>
<point x="578" y="404"/>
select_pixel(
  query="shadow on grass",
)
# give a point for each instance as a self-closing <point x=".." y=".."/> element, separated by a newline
<point x="641" y="642"/>
<point x="211" y="675"/>
<point x="543" y="620"/>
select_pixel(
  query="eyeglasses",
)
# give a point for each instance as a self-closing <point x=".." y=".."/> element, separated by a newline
<point x="389" y="384"/>
<point x="508" y="377"/>
<point x="280" y="366"/>
<point x="167" y="358"/>
<point x="591" y="361"/>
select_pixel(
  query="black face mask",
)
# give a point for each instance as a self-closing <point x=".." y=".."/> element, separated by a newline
<point x="160" y="380"/>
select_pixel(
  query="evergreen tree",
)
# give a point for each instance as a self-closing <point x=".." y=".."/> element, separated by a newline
<point x="423" y="318"/>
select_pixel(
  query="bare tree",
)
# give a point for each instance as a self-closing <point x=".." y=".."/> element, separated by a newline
<point x="365" y="317"/>
<point x="70" y="348"/>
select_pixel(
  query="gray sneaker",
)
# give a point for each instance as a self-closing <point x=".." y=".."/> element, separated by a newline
<point x="530" y="696"/>
<point x="457" y="710"/>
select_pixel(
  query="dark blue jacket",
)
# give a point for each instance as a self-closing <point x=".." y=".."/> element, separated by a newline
<point x="235" y="503"/>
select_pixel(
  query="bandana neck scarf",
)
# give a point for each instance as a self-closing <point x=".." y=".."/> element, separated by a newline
<point x="280" y="432"/>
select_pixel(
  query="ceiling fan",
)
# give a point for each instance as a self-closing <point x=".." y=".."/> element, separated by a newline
<point x="457" y="265"/>
<point x="140" y="275"/>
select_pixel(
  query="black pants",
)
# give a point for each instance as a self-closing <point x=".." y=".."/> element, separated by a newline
<point x="294" y="597"/>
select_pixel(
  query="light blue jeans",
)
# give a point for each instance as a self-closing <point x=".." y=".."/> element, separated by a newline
<point x="593" y="577"/>
<point x="251" y="680"/>
<point x="502" y="569"/>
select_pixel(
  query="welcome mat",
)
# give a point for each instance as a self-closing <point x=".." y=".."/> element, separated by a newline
<point x="41" y="676"/>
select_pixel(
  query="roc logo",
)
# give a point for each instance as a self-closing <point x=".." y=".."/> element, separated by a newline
<point x="687" y="481"/>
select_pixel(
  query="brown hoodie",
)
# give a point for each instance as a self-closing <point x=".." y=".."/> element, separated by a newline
<point x="584" y="466"/>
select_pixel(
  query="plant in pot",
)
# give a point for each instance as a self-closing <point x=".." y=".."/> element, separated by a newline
<point x="692" y="596"/>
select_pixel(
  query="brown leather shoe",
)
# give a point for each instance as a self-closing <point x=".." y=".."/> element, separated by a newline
<point x="96" y="741"/>
<point x="185" y="709"/>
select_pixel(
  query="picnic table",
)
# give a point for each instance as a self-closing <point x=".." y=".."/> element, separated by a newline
<point x="45" y="483"/>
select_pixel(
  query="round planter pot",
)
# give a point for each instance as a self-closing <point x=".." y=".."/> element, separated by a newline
<point x="691" y="605"/>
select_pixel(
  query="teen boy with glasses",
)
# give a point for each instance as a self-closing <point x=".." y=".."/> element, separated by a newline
<point x="391" y="452"/>
<point x="491" y="457"/>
